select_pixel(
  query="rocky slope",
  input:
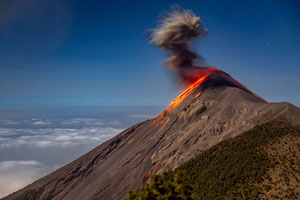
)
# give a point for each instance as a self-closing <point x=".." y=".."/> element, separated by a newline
<point x="262" y="163"/>
<point x="218" y="109"/>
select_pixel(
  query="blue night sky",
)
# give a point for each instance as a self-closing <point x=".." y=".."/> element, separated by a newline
<point x="85" y="52"/>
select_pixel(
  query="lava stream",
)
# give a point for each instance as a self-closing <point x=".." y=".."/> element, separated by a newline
<point x="188" y="91"/>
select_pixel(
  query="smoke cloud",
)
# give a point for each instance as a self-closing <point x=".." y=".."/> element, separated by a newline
<point x="174" y="32"/>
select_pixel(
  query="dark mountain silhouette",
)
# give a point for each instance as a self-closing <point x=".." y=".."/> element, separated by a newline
<point x="213" y="110"/>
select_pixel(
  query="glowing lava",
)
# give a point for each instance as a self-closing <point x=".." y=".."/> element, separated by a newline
<point x="188" y="91"/>
<point x="216" y="74"/>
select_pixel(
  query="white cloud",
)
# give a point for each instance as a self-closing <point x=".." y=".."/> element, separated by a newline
<point x="51" y="137"/>
<point x="8" y="164"/>
<point x="6" y="132"/>
<point x="15" y="174"/>
<point x="86" y="121"/>
<point x="41" y="123"/>
<point x="9" y="122"/>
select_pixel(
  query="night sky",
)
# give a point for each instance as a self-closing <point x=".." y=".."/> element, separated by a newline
<point x="85" y="52"/>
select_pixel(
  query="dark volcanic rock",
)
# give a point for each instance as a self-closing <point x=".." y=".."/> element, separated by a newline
<point x="217" y="110"/>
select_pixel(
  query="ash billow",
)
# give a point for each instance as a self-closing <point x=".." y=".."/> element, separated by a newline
<point x="175" y="30"/>
<point x="173" y="34"/>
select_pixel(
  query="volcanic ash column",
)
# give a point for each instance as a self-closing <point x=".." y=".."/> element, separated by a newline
<point x="175" y="29"/>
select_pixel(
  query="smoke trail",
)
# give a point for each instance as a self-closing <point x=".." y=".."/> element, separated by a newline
<point x="174" y="31"/>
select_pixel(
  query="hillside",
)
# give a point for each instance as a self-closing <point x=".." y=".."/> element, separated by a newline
<point x="212" y="110"/>
<point x="262" y="163"/>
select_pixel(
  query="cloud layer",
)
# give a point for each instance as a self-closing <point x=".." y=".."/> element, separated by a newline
<point x="32" y="148"/>
<point x="53" y="137"/>
<point x="36" y="141"/>
<point x="16" y="174"/>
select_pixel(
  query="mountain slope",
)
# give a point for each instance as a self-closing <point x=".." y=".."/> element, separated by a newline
<point x="262" y="163"/>
<point x="216" y="109"/>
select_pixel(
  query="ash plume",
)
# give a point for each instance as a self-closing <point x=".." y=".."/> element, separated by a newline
<point x="174" y="32"/>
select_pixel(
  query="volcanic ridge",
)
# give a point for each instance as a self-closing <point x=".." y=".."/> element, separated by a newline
<point x="215" y="108"/>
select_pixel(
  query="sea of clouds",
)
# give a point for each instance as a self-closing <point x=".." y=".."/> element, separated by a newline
<point x="34" y="144"/>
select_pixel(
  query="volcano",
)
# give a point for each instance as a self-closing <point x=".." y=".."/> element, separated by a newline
<point x="214" y="108"/>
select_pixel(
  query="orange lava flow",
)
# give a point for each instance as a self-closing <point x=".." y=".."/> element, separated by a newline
<point x="188" y="91"/>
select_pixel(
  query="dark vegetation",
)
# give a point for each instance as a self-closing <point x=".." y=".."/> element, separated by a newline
<point x="232" y="169"/>
<point x="166" y="186"/>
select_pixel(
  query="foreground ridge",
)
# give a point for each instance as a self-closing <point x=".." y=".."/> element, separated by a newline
<point x="262" y="163"/>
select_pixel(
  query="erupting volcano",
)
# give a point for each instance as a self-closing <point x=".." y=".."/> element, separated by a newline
<point x="214" y="107"/>
<point x="173" y="34"/>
